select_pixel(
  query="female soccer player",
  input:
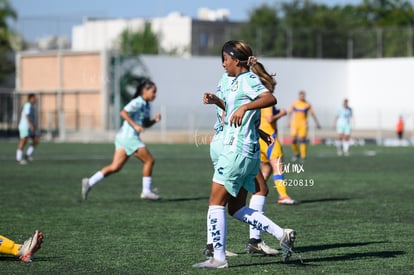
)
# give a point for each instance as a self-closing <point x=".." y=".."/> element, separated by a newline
<point x="271" y="156"/>
<point x="136" y="115"/>
<point x="343" y="128"/>
<point x="238" y="164"/>
<point x="299" y="125"/>
<point x="255" y="244"/>
<point x="27" y="129"/>
<point x="24" y="251"/>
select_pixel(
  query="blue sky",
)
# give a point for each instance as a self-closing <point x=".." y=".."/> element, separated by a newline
<point x="40" y="18"/>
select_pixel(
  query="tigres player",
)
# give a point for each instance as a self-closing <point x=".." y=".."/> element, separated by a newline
<point x="298" y="118"/>
<point x="271" y="157"/>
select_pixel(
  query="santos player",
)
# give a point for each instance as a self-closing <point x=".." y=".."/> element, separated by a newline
<point x="136" y="115"/>
<point x="343" y="128"/>
<point x="27" y="130"/>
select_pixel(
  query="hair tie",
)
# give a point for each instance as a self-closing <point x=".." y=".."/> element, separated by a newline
<point x="252" y="60"/>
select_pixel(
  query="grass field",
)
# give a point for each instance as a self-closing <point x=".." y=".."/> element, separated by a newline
<point x="356" y="218"/>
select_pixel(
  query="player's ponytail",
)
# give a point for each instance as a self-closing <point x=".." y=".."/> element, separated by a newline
<point x="145" y="84"/>
<point x="240" y="50"/>
<point x="266" y="78"/>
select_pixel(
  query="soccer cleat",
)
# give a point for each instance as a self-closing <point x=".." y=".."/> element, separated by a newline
<point x="286" y="243"/>
<point x="22" y="162"/>
<point x="150" y="196"/>
<point x="286" y="201"/>
<point x="212" y="263"/>
<point x="255" y="246"/>
<point x="29" y="158"/>
<point x="85" y="188"/>
<point x="209" y="252"/>
<point x="30" y="247"/>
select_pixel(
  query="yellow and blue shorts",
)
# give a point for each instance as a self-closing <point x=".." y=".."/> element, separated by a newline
<point x="270" y="152"/>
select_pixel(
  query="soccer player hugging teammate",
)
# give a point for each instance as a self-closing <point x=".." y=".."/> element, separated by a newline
<point x="237" y="168"/>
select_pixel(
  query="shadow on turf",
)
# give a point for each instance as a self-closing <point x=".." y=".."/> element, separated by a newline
<point x="308" y="262"/>
<point x="184" y="199"/>
<point x="334" y="245"/>
<point x="324" y="200"/>
<point x="356" y="256"/>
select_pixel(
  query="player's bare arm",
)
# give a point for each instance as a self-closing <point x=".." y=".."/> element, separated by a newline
<point x="210" y="98"/>
<point x="264" y="100"/>
<point x="124" y="114"/>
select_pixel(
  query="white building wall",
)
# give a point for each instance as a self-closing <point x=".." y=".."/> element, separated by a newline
<point x="174" y="32"/>
<point x="97" y="35"/>
<point x="380" y="90"/>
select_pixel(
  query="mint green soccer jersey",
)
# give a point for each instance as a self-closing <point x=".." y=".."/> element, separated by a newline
<point x="245" y="88"/>
<point x="29" y="110"/>
<point x="138" y="109"/>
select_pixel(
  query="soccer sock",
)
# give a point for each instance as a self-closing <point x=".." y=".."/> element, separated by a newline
<point x="295" y="148"/>
<point x="209" y="237"/>
<point x="303" y="150"/>
<point x="257" y="202"/>
<point x="19" y="155"/>
<point x="8" y="247"/>
<point x="146" y="184"/>
<point x="339" y="145"/>
<point x="259" y="221"/>
<point x="346" y="146"/>
<point x="279" y="182"/>
<point x="30" y="150"/>
<point x="217" y="228"/>
<point x="97" y="177"/>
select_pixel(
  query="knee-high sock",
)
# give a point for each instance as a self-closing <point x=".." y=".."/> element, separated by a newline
<point x="257" y="202"/>
<point x="279" y="182"/>
<point x="209" y="237"/>
<point x="30" y="150"/>
<point x="97" y="177"/>
<point x="295" y="148"/>
<point x="338" y="144"/>
<point x="259" y="221"/>
<point x="303" y="147"/>
<point x="217" y="227"/>
<point x="8" y="247"/>
<point x="146" y="184"/>
<point x="346" y="146"/>
<point x="19" y="155"/>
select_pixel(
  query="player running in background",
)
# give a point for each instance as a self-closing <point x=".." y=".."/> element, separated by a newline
<point x="24" y="251"/>
<point x="136" y="116"/>
<point x="27" y="130"/>
<point x="298" y="119"/>
<point x="343" y="128"/>
<point x="239" y="162"/>
<point x="271" y="156"/>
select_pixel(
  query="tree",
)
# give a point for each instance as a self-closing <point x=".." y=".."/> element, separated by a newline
<point x="303" y="28"/>
<point x="6" y="51"/>
<point x="140" y="42"/>
<point x="262" y="31"/>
